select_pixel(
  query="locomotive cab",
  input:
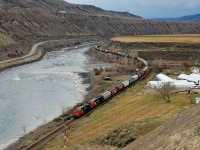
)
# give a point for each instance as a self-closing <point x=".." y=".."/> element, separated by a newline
<point x="82" y="110"/>
<point x="78" y="112"/>
<point x="94" y="102"/>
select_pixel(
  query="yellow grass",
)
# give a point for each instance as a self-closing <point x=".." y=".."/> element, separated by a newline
<point x="125" y="109"/>
<point x="176" y="38"/>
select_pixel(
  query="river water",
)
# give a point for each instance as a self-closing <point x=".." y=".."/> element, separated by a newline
<point x="35" y="93"/>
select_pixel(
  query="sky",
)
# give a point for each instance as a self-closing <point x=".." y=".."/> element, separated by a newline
<point x="148" y="8"/>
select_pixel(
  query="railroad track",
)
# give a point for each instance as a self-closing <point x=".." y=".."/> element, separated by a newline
<point x="48" y="137"/>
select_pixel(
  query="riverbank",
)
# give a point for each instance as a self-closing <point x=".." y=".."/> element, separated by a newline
<point x="82" y="82"/>
<point x="39" y="49"/>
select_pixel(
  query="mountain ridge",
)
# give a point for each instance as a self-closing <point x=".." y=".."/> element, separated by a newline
<point x="24" y="23"/>
<point x="195" y="17"/>
<point x="61" y="5"/>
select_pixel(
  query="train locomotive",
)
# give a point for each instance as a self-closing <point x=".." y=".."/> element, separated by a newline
<point x="91" y="104"/>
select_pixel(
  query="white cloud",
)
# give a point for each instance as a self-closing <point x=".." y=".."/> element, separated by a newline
<point x="193" y="4"/>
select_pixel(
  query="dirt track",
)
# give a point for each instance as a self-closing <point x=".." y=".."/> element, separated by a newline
<point x="35" y="54"/>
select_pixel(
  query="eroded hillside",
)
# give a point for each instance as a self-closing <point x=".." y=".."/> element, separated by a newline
<point x="182" y="132"/>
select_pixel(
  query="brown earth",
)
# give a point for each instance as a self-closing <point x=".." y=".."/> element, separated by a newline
<point x="177" y="51"/>
<point x="24" y="23"/>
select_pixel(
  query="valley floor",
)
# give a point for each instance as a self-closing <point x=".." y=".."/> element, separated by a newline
<point x="125" y="118"/>
<point x="129" y="115"/>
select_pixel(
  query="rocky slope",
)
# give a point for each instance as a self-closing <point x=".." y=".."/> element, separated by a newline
<point x="24" y="23"/>
<point x="63" y="7"/>
<point x="182" y="132"/>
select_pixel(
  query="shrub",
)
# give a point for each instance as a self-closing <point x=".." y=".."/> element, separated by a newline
<point x="97" y="71"/>
<point x="159" y="65"/>
<point x="186" y="64"/>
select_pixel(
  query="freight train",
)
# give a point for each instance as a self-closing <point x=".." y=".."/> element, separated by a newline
<point x="91" y="104"/>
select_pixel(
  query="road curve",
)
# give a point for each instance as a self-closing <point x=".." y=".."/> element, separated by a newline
<point x="35" y="54"/>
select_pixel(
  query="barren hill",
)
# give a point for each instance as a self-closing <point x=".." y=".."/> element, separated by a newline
<point x="182" y="132"/>
<point x="23" y="22"/>
<point x="63" y="7"/>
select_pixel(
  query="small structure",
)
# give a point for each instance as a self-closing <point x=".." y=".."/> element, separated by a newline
<point x="177" y="84"/>
<point x="191" y="78"/>
<point x="197" y="99"/>
<point x="189" y="81"/>
<point x="162" y="77"/>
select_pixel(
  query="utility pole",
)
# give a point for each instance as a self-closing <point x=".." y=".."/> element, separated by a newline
<point x="65" y="137"/>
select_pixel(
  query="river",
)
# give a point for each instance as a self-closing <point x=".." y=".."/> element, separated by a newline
<point x="33" y="94"/>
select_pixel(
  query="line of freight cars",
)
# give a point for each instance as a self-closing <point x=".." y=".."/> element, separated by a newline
<point x="87" y="106"/>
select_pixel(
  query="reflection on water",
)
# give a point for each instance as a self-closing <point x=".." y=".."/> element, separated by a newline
<point x="34" y="93"/>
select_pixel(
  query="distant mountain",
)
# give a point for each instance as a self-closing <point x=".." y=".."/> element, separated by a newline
<point x="195" y="17"/>
<point x="163" y="19"/>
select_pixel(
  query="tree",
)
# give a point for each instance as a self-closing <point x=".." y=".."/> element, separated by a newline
<point x="186" y="65"/>
<point x="165" y="90"/>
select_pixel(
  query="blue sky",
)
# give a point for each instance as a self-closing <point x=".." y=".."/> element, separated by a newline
<point x="148" y="8"/>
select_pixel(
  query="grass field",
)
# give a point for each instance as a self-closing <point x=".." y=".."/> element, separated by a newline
<point x="176" y="38"/>
<point x="139" y="109"/>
